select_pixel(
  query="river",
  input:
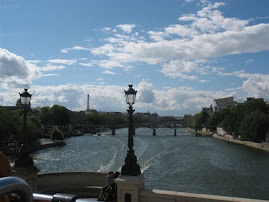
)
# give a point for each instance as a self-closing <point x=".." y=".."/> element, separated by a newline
<point x="184" y="163"/>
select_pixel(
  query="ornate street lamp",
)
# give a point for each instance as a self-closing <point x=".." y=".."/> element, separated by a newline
<point x="23" y="155"/>
<point x="130" y="167"/>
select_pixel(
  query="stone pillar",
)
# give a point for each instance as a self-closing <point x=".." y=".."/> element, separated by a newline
<point x="28" y="174"/>
<point x="128" y="187"/>
<point x="175" y="132"/>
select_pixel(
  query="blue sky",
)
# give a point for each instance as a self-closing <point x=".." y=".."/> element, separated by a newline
<point x="179" y="54"/>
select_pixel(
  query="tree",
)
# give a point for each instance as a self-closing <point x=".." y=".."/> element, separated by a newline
<point x="45" y="117"/>
<point x="212" y="122"/>
<point x="56" y="134"/>
<point x="10" y="125"/>
<point x="229" y="119"/>
<point x="254" y="126"/>
<point x="187" y="120"/>
<point x="203" y="117"/>
<point x="96" y="119"/>
<point x="59" y="115"/>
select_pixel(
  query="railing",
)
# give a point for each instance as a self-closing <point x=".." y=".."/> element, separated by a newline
<point x="15" y="185"/>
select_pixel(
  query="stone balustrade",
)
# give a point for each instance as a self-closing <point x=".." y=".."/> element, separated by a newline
<point x="78" y="183"/>
<point x="88" y="184"/>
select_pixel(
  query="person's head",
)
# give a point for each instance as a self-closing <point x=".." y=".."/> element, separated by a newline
<point x="110" y="173"/>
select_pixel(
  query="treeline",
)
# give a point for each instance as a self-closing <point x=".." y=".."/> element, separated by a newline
<point x="99" y="119"/>
<point x="11" y="123"/>
<point x="50" y="120"/>
<point x="248" y="121"/>
<point x="11" y="126"/>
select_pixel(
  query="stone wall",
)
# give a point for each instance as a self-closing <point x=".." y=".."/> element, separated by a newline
<point x="78" y="183"/>
<point x="148" y="195"/>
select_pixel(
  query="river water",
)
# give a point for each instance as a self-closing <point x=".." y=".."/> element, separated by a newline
<point x="183" y="163"/>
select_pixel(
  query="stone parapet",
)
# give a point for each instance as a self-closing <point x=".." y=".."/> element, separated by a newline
<point x="148" y="195"/>
<point x="129" y="187"/>
<point x="78" y="183"/>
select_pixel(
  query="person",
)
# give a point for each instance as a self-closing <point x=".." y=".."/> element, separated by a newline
<point x="5" y="171"/>
<point x="110" y="181"/>
<point x="111" y="191"/>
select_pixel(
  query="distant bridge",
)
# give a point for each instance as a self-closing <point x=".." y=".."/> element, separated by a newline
<point x="155" y="125"/>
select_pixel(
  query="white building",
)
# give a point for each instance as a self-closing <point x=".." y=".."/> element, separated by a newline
<point x="222" y="103"/>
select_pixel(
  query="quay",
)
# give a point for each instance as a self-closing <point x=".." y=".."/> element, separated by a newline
<point x="221" y="135"/>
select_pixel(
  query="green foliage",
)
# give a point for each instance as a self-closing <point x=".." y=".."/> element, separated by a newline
<point x="59" y="115"/>
<point x="249" y="120"/>
<point x="114" y="120"/>
<point x="56" y="134"/>
<point x="198" y="120"/>
<point x="138" y="119"/>
<point x="45" y="116"/>
<point x="203" y="117"/>
<point x="10" y="125"/>
<point x="187" y="120"/>
<point x="213" y="121"/>
<point x="104" y="119"/>
<point x="95" y="119"/>
<point x="254" y="126"/>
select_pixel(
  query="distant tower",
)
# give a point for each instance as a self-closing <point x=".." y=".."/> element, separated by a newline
<point x="88" y="102"/>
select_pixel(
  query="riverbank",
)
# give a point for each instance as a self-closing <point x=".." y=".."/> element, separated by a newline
<point x="201" y="132"/>
<point x="45" y="145"/>
<point x="222" y="136"/>
<point x="34" y="147"/>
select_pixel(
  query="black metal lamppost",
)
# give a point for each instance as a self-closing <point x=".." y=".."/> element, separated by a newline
<point x="130" y="167"/>
<point x="23" y="155"/>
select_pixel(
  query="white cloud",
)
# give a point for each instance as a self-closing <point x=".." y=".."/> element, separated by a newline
<point x="249" y="61"/>
<point x="180" y="30"/>
<point x="52" y="68"/>
<point x="145" y="92"/>
<point x="86" y="64"/>
<point x="255" y="85"/>
<point x="126" y="27"/>
<point x="168" y="101"/>
<point x="15" y="72"/>
<point x="108" y="72"/>
<point x="12" y="65"/>
<point x="62" y="61"/>
<point x="66" y="50"/>
<point x="203" y="38"/>
<point x="46" y="75"/>
<point x="204" y="35"/>
<point x="204" y="81"/>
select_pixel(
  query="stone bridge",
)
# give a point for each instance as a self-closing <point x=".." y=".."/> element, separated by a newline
<point x="153" y="126"/>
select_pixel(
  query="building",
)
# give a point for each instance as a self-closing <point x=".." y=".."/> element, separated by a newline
<point x="249" y="99"/>
<point x="208" y="109"/>
<point x="220" y="104"/>
<point x="154" y="117"/>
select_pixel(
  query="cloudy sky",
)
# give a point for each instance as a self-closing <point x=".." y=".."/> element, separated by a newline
<point x="180" y="55"/>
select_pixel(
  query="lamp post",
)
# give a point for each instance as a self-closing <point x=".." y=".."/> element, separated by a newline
<point x="130" y="167"/>
<point x="23" y="155"/>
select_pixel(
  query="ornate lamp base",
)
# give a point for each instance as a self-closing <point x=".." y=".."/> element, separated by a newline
<point x="131" y="167"/>
<point x="24" y="159"/>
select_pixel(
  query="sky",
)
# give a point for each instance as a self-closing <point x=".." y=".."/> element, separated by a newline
<point x="179" y="55"/>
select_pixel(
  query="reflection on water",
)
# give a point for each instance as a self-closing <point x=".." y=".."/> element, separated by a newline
<point x="182" y="163"/>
